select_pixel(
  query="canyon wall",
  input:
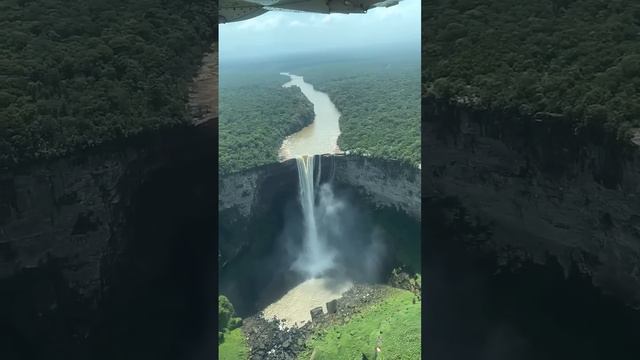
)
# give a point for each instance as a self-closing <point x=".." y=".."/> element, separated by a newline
<point x="83" y="240"/>
<point x="540" y="187"/>
<point x="68" y="210"/>
<point x="73" y="209"/>
<point x="249" y="194"/>
<point x="384" y="182"/>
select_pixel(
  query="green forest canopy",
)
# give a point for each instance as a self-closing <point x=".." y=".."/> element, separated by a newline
<point x="379" y="102"/>
<point x="75" y="73"/>
<point x="578" y="58"/>
<point x="378" y="97"/>
<point x="256" y="114"/>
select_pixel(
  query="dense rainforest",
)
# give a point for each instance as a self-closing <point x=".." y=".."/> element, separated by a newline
<point x="579" y="59"/>
<point x="75" y="73"/>
<point x="256" y="114"/>
<point x="379" y="103"/>
<point x="377" y="94"/>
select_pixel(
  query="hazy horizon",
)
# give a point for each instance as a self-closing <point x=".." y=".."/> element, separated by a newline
<point x="280" y="34"/>
<point x="291" y="62"/>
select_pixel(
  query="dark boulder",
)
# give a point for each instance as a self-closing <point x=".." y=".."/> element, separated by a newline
<point x="332" y="306"/>
<point x="316" y="313"/>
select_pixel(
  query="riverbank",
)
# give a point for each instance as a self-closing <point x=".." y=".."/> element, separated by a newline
<point x="293" y="308"/>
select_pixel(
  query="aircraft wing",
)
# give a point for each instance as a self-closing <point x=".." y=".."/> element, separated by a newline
<point x="238" y="10"/>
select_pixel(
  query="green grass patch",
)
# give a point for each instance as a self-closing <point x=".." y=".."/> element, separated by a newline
<point x="234" y="346"/>
<point x="394" y="320"/>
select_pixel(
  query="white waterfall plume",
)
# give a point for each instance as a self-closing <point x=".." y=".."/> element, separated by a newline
<point x="316" y="256"/>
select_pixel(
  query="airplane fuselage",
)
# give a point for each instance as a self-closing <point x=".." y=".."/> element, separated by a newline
<point x="238" y="10"/>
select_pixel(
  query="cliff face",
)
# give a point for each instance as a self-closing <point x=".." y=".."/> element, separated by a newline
<point x="73" y="229"/>
<point x="63" y="210"/>
<point x="69" y="209"/>
<point x="74" y="208"/>
<point x="384" y="182"/>
<point x="249" y="194"/>
<point x="539" y="187"/>
<point x="246" y="196"/>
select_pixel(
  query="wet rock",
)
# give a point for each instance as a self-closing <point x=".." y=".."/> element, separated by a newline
<point x="271" y="339"/>
<point x="402" y="280"/>
<point x="332" y="306"/>
<point x="316" y="313"/>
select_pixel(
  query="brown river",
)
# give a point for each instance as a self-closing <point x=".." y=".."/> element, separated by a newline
<point x="321" y="136"/>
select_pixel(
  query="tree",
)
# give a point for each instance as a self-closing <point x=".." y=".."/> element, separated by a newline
<point x="225" y="312"/>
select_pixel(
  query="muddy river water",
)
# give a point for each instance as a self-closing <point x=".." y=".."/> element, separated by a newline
<point x="321" y="136"/>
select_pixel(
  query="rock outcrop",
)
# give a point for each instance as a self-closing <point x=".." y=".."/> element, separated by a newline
<point x="540" y="187"/>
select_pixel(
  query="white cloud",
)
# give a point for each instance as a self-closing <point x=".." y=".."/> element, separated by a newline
<point x="393" y="11"/>
<point x="328" y="18"/>
<point x="282" y="32"/>
<point x="296" y="23"/>
<point x="268" y="21"/>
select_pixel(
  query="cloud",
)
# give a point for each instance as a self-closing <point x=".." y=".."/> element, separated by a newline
<point x="288" y="32"/>
<point x="268" y="21"/>
<point x="328" y="18"/>
<point x="393" y="11"/>
<point x="296" y="23"/>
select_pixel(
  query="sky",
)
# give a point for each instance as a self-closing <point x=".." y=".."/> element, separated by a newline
<point x="284" y="32"/>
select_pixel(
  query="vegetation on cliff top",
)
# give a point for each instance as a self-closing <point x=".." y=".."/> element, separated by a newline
<point x="379" y="102"/>
<point x="256" y="114"/>
<point x="378" y="96"/>
<point x="578" y="58"/>
<point x="74" y="74"/>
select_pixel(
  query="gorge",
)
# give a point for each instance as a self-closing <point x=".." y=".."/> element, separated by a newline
<point x="326" y="236"/>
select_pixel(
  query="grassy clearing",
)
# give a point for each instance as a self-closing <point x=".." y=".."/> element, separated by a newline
<point x="395" y="321"/>
<point x="234" y="346"/>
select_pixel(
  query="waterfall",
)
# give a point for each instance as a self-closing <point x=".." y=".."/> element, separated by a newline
<point x="319" y="171"/>
<point x="315" y="257"/>
<point x="307" y="200"/>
